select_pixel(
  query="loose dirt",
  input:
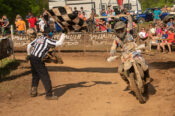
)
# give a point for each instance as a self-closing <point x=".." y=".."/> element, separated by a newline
<point x="87" y="85"/>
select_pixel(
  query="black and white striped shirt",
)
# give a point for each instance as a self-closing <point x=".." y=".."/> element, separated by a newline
<point x="42" y="45"/>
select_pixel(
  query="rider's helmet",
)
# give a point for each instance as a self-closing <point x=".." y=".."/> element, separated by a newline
<point x="120" y="29"/>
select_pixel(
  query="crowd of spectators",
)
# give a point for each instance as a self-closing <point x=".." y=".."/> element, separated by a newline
<point x="159" y="34"/>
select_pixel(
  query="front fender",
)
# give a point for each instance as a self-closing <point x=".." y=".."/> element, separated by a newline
<point x="141" y="61"/>
<point x="127" y="65"/>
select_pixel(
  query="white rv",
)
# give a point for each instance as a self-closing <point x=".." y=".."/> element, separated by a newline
<point x="131" y="5"/>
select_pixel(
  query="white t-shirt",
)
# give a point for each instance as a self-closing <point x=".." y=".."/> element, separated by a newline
<point x="142" y="34"/>
<point x="153" y="30"/>
<point x="42" y="24"/>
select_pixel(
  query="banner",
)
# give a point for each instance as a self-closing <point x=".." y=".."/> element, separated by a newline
<point x="120" y="3"/>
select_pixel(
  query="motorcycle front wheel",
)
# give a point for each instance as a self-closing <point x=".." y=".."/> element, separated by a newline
<point x="135" y="88"/>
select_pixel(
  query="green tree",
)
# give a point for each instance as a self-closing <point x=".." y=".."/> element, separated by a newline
<point x="155" y="3"/>
<point x="13" y="7"/>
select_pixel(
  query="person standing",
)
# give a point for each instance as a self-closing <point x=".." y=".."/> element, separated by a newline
<point x="42" y="24"/>
<point x="41" y="47"/>
<point x="28" y="17"/>
<point x="46" y="17"/>
<point x="20" y="25"/>
<point x="75" y="11"/>
<point x="157" y="14"/>
<point x="5" y="25"/>
<point x="32" y="23"/>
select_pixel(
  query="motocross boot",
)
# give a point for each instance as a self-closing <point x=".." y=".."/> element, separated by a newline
<point x="148" y="79"/>
<point x="126" y="81"/>
<point x="33" y="92"/>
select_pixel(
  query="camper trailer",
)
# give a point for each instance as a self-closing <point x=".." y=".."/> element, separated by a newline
<point x="132" y="5"/>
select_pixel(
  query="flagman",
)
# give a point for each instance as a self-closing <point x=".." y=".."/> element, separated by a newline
<point x="40" y="47"/>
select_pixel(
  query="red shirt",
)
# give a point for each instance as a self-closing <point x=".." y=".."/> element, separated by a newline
<point x="170" y="38"/>
<point x="32" y="22"/>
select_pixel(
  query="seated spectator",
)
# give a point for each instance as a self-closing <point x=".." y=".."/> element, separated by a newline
<point x="143" y="38"/>
<point x="152" y="30"/>
<point x="164" y="36"/>
<point x="20" y="25"/>
<point x="170" y="39"/>
<point x="158" y="31"/>
<point x="171" y="23"/>
<point x="102" y="25"/>
<point x="143" y="34"/>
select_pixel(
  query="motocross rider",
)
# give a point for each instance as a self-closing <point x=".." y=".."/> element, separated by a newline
<point x="125" y="39"/>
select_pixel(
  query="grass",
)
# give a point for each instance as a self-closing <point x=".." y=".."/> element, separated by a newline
<point x="6" y="66"/>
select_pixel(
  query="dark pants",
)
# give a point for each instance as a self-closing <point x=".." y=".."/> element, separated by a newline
<point x="39" y="71"/>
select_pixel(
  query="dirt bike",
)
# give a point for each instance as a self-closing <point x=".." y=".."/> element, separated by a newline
<point x="135" y="70"/>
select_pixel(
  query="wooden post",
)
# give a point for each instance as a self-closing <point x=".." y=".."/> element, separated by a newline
<point x="0" y="69"/>
<point x="12" y="38"/>
<point x="107" y="43"/>
<point x="84" y="42"/>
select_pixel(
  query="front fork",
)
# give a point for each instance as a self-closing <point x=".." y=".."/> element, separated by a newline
<point x="138" y="78"/>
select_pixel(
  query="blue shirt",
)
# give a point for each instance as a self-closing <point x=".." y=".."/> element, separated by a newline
<point x="156" y="14"/>
<point x="164" y="36"/>
<point x="169" y="24"/>
<point x="104" y="14"/>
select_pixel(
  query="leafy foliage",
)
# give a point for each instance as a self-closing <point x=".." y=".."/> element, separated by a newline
<point x="155" y="3"/>
<point x="13" y="7"/>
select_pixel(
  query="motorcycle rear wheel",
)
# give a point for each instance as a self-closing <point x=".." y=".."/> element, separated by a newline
<point x="135" y="88"/>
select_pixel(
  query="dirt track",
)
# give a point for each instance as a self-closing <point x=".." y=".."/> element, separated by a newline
<point x="89" y="86"/>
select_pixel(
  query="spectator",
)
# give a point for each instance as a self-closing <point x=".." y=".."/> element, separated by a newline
<point x="28" y="17"/>
<point x="75" y="11"/>
<point x="164" y="37"/>
<point x="156" y="14"/>
<point x="84" y="16"/>
<point x="82" y="10"/>
<point x="5" y="25"/>
<point x="164" y="9"/>
<point x="38" y="19"/>
<point x="42" y="24"/>
<point x="109" y="10"/>
<point x="20" y="25"/>
<point x="80" y="15"/>
<point x="171" y="23"/>
<point x="143" y="38"/>
<point x="102" y="25"/>
<point x="158" y="30"/>
<point x="46" y="16"/>
<point x="103" y="13"/>
<point x="170" y="39"/>
<point x="32" y="23"/>
<point x="143" y="34"/>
